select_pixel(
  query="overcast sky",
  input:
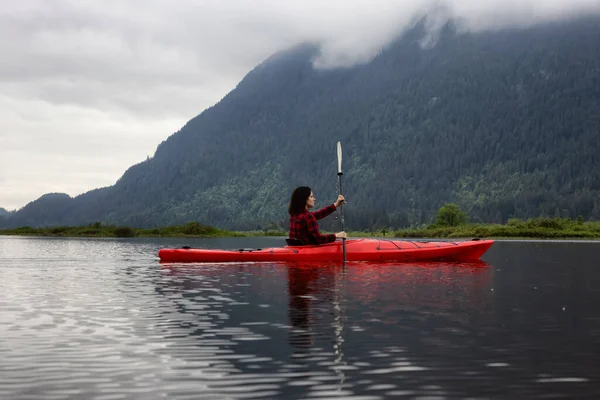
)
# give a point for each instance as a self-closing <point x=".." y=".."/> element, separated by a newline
<point x="91" y="87"/>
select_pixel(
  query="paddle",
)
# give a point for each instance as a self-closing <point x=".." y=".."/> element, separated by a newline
<point x="340" y="173"/>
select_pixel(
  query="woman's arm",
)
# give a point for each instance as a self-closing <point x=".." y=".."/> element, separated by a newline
<point x="313" y="230"/>
<point x="323" y="212"/>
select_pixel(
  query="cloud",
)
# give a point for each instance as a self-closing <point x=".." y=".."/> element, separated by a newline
<point x="90" y="87"/>
<point x="87" y="152"/>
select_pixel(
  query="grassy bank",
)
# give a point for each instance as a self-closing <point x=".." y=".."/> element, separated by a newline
<point x="192" y="229"/>
<point x="534" y="228"/>
<point x="538" y="228"/>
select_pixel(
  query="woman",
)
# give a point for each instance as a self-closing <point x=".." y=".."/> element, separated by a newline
<point x="303" y="224"/>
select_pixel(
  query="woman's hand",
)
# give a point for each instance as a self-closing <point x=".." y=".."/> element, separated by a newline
<point x="339" y="201"/>
<point x="341" y="235"/>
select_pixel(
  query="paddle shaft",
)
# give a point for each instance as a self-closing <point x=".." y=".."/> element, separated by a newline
<point x="342" y="216"/>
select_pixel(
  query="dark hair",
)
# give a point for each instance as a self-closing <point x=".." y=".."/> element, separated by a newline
<point x="298" y="201"/>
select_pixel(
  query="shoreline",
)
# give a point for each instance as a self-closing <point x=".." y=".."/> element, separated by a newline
<point x="459" y="233"/>
<point x="534" y="228"/>
<point x="408" y="239"/>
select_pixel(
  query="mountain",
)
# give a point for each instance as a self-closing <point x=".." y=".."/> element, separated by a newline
<point x="44" y="211"/>
<point x="4" y="212"/>
<point x="502" y="123"/>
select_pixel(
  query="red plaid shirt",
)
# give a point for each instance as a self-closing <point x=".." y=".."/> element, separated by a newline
<point x="304" y="226"/>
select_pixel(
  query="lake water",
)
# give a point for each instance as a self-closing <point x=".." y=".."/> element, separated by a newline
<point x="103" y="319"/>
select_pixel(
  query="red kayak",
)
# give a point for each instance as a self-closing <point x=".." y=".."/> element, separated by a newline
<point x="356" y="250"/>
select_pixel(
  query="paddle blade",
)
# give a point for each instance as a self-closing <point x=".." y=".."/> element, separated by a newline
<point x="339" y="156"/>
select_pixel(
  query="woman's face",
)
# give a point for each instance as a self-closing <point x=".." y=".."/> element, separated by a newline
<point x="310" y="202"/>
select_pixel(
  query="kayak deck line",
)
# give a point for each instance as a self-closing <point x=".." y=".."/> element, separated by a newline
<point x="415" y="243"/>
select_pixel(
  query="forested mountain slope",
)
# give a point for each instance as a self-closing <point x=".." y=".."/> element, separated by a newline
<point x="505" y="124"/>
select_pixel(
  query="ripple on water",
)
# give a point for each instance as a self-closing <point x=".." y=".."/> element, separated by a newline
<point x="102" y="319"/>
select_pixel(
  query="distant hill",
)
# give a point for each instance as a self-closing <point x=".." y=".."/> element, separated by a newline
<point x="45" y="211"/>
<point x="4" y="216"/>
<point x="505" y="124"/>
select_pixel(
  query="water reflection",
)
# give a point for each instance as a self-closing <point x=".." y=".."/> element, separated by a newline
<point x="320" y="291"/>
<point x="320" y="298"/>
<point x="312" y="293"/>
<point x="339" y="322"/>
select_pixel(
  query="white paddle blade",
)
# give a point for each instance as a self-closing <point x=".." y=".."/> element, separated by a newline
<point x="339" y="154"/>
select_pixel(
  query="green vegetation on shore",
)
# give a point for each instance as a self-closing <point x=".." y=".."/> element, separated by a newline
<point x="450" y="222"/>
<point x="536" y="228"/>
<point x="192" y="229"/>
